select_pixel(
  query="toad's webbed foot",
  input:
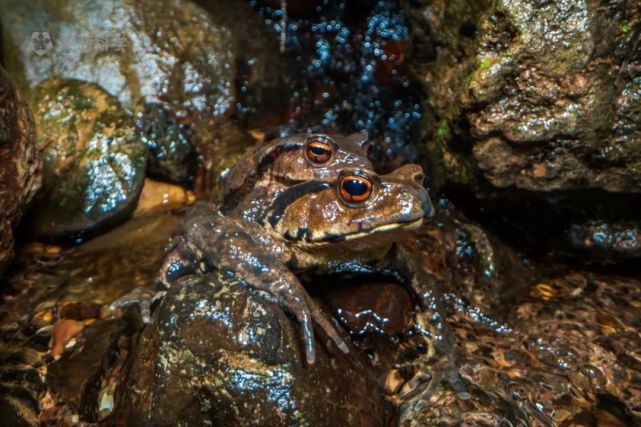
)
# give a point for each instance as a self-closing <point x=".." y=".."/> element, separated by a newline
<point x="213" y="241"/>
<point x="178" y="262"/>
<point x="431" y="323"/>
<point x="426" y="379"/>
<point x="141" y="299"/>
<point x="446" y="369"/>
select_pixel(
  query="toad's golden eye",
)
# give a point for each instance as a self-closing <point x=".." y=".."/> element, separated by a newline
<point x="355" y="188"/>
<point x="319" y="150"/>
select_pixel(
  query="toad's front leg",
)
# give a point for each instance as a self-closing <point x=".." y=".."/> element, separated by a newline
<point x="241" y="248"/>
<point x="432" y="314"/>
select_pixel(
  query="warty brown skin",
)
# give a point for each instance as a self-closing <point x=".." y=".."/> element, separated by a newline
<point x="251" y="185"/>
<point x="287" y="216"/>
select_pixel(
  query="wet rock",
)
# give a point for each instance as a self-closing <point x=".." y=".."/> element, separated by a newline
<point x="93" y="166"/>
<point x="181" y="71"/>
<point x="260" y="73"/>
<point x="538" y="96"/>
<point x="376" y="313"/>
<point x="218" y="354"/>
<point x="372" y="308"/>
<point x="170" y="141"/>
<point x="138" y="57"/>
<point x="19" y="164"/>
<point x="606" y="241"/>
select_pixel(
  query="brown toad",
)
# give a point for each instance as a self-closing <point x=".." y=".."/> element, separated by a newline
<point x="310" y="204"/>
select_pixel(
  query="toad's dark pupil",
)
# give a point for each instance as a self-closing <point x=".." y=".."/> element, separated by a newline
<point x="321" y="151"/>
<point x="355" y="187"/>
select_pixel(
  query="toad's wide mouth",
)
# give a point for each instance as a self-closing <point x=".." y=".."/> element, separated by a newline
<point x="364" y="233"/>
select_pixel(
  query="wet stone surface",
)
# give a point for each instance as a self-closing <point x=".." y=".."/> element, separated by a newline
<point x="171" y="142"/>
<point x="532" y="109"/>
<point x="96" y="271"/>
<point x="606" y="241"/>
<point x="137" y="63"/>
<point x="371" y="308"/>
<point x="534" y="103"/>
<point x="93" y="166"/>
<point x="19" y="165"/>
<point x="171" y="64"/>
<point x="218" y="353"/>
<point x="60" y="346"/>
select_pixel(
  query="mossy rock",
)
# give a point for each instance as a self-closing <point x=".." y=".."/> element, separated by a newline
<point x="174" y="65"/>
<point x="93" y="164"/>
<point x="539" y="96"/>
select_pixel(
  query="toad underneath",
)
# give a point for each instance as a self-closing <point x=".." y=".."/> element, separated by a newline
<point x="312" y="204"/>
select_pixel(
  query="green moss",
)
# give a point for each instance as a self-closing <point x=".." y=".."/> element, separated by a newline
<point x="484" y="64"/>
<point x="443" y="131"/>
<point x="468" y="83"/>
<point x="625" y="28"/>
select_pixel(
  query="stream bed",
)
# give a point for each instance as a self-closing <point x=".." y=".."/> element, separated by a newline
<point x="117" y="117"/>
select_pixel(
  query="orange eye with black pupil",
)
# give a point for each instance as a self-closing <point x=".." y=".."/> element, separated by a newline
<point x="319" y="151"/>
<point x="355" y="189"/>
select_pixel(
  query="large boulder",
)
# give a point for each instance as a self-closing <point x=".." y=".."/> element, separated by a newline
<point x="19" y="172"/>
<point x="180" y="70"/>
<point x="540" y="96"/>
<point x="534" y="108"/>
<point x="217" y="353"/>
<point x="93" y="165"/>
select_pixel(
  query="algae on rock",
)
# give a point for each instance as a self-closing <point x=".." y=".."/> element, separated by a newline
<point x="93" y="164"/>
